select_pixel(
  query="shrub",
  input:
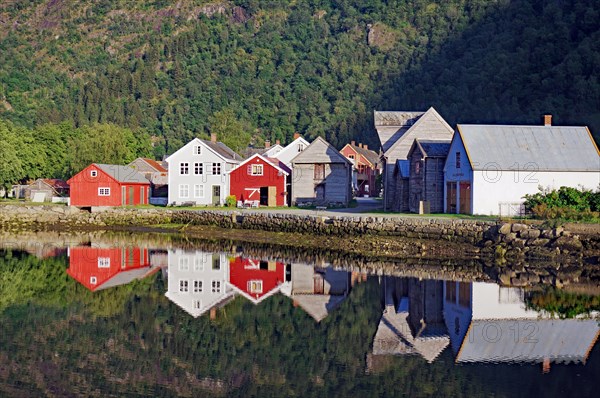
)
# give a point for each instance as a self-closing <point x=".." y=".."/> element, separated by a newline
<point x="231" y="201"/>
<point x="566" y="203"/>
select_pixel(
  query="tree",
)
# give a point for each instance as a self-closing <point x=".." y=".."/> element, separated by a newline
<point x="230" y="130"/>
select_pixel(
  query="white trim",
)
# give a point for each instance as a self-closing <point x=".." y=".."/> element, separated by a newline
<point x="257" y="155"/>
<point x="187" y="191"/>
<point x="184" y="286"/>
<point x="103" y="191"/>
<point x="103" y="262"/>
<point x="94" y="173"/>
<point x="198" y="193"/>
<point x="197" y="150"/>
<point x="181" y="166"/>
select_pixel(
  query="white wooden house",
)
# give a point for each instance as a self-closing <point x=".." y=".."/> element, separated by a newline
<point x="490" y="168"/>
<point x="290" y="151"/>
<point x="397" y="131"/>
<point x="197" y="280"/>
<point x="199" y="172"/>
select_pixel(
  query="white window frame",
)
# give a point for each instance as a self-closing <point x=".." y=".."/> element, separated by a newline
<point x="184" y="168"/>
<point x="198" y="190"/>
<point x="93" y="280"/>
<point x="216" y="167"/>
<point x="184" y="264"/>
<point x="197" y="304"/>
<point x="198" y="168"/>
<point x="215" y="286"/>
<point x="103" y="191"/>
<point x="184" y="188"/>
<point x="198" y="264"/>
<point x="94" y="173"/>
<point x="184" y="286"/>
<point x="256" y="169"/>
<point x="197" y="149"/>
<point x="255" y="286"/>
<point x="103" y="262"/>
<point x="197" y="286"/>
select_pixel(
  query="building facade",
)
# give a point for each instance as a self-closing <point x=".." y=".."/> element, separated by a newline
<point x="260" y="180"/>
<point x="368" y="166"/>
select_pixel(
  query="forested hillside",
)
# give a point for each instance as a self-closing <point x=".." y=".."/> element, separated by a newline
<point x="260" y="69"/>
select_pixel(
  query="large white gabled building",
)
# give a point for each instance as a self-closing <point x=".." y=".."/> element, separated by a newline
<point x="490" y="168"/>
<point x="199" y="172"/>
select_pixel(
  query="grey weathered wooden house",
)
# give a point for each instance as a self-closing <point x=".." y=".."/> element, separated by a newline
<point x="397" y="132"/>
<point x="321" y="175"/>
<point x="426" y="177"/>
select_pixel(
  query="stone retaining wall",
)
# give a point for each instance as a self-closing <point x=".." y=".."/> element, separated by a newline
<point x="502" y="240"/>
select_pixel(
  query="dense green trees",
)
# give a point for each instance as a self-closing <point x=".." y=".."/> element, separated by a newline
<point x="61" y="150"/>
<point x="317" y="67"/>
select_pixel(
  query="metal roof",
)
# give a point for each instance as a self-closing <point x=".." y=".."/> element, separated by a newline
<point x="434" y="149"/>
<point x="403" y="166"/>
<point x="560" y="340"/>
<point x="535" y="148"/>
<point x="122" y="173"/>
<point x="320" y="151"/>
<point x="223" y="150"/>
<point x="369" y="154"/>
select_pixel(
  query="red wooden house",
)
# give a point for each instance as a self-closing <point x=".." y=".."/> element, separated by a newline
<point x="108" y="185"/>
<point x="368" y="165"/>
<point x="260" y="180"/>
<point x="100" y="268"/>
<point x="255" y="279"/>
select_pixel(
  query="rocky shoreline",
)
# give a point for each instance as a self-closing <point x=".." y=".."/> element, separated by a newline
<point x="501" y="241"/>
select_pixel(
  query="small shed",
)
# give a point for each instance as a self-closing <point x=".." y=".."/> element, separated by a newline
<point x="426" y="180"/>
<point x="321" y="176"/>
<point x="44" y="189"/>
<point x="100" y="185"/>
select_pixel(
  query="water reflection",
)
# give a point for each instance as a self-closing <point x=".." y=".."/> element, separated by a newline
<point x="482" y="322"/>
<point x="202" y="281"/>
<point x="99" y="268"/>
<point x="490" y="323"/>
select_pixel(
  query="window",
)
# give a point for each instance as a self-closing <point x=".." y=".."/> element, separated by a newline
<point x="184" y="264"/>
<point x="418" y="167"/>
<point x="197" y="304"/>
<point x="184" y="168"/>
<point x="216" y="262"/>
<point x="93" y="280"/>
<point x="198" y="191"/>
<point x="198" y="264"/>
<point x="300" y="147"/>
<point x="197" y="286"/>
<point x="198" y="169"/>
<point x="255" y="286"/>
<point x="103" y="191"/>
<point x="103" y="262"/>
<point x="183" y="286"/>
<point x="197" y="150"/>
<point x="319" y="171"/>
<point x="216" y="286"/>
<point x="94" y="173"/>
<point x="351" y="157"/>
<point x="255" y="169"/>
<point x="184" y="190"/>
<point x="216" y="168"/>
<point x="458" y="160"/>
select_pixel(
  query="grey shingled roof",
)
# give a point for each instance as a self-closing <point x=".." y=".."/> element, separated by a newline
<point x="122" y="173"/>
<point x="223" y="150"/>
<point x="434" y="149"/>
<point x="545" y="148"/>
<point x="560" y="340"/>
<point x="393" y="125"/>
<point x="320" y="151"/>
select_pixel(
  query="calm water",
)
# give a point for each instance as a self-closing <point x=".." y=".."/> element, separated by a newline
<point x="106" y="317"/>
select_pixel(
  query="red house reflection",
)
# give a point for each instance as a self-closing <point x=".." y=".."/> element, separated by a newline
<point x="101" y="268"/>
<point x="255" y="279"/>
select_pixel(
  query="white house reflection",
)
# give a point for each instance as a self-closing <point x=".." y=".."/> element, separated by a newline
<point x="482" y="322"/>
<point x="199" y="282"/>
<point x="490" y="323"/>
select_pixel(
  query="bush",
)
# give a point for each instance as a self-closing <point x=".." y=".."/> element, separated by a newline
<point x="565" y="203"/>
<point x="231" y="201"/>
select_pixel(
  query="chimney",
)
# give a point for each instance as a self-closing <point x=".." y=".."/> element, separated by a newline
<point x="213" y="313"/>
<point x="213" y="137"/>
<point x="277" y="142"/>
<point x="547" y="120"/>
<point x="267" y="144"/>
<point x="546" y="365"/>
<point x="365" y="146"/>
<point x="296" y="136"/>
<point x="353" y="143"/>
